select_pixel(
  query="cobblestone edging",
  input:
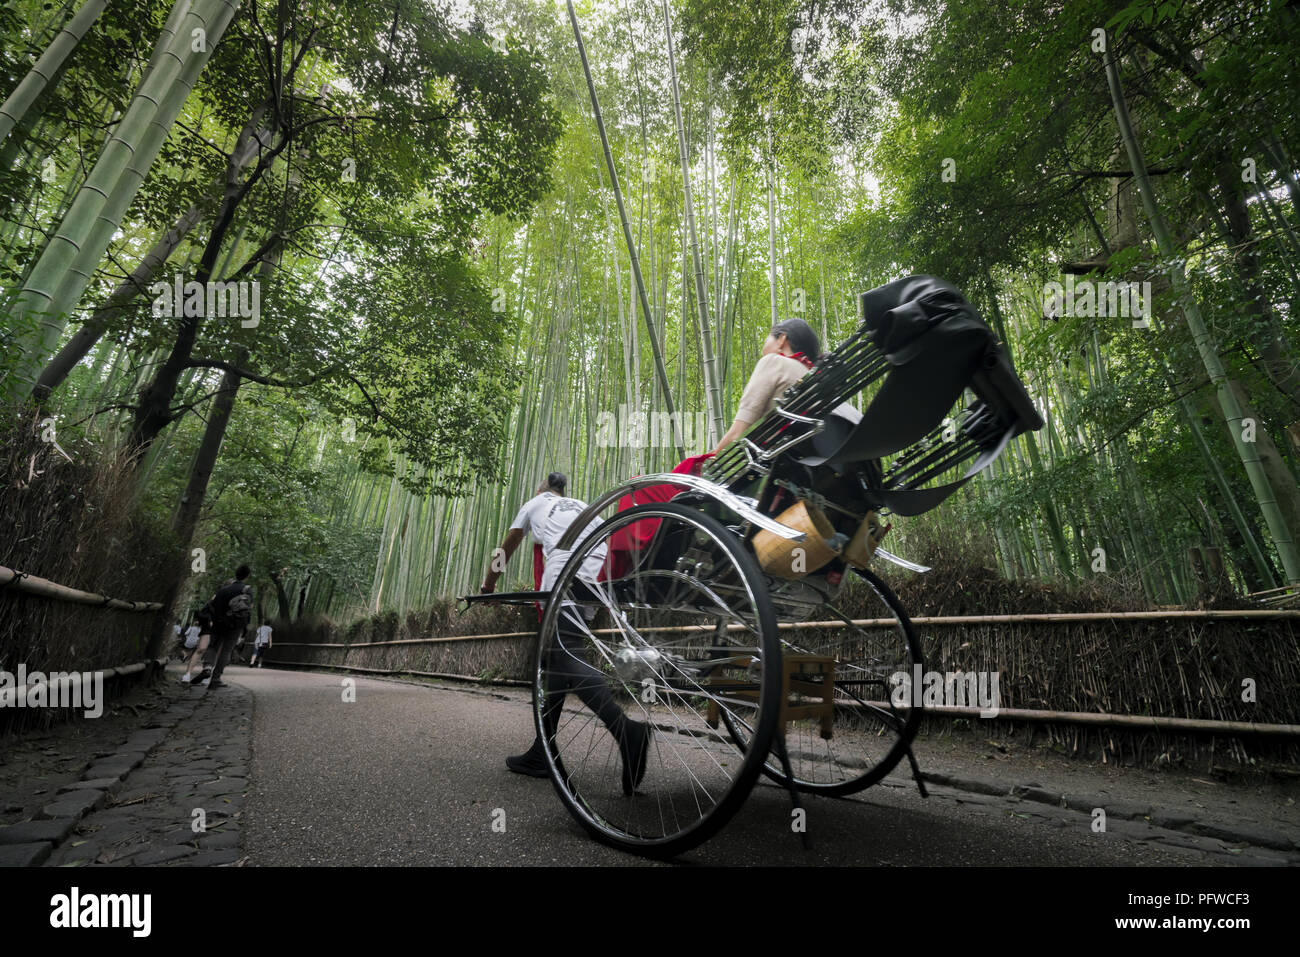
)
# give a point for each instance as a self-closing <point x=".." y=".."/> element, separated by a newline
<point x="172" y="792"/>
<point x="1157" y="818"/>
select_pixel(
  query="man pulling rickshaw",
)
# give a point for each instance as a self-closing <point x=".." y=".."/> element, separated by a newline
<point x="672" y="620"/>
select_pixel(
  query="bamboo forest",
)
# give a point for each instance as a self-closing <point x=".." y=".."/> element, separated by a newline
<point x="329" y="288"/>
<point x="553" y="433"/>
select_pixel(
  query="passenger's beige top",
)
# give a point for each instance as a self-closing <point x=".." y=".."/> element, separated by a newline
<point x="773" y="374"/>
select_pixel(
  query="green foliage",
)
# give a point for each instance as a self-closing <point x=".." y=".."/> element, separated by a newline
<point x="430" y="377"/>
<point x="450" y="309"/>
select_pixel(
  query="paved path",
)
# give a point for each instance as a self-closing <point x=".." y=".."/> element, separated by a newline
<point x="297" y="768"/>
<point x="408" y="774"/>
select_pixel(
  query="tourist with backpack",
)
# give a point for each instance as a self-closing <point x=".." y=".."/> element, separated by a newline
<point x="230" y="608"/>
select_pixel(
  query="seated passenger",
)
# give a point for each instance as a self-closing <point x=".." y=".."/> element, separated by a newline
<point x="788" y="352"/>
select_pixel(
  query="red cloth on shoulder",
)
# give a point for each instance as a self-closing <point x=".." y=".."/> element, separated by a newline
<point x="800" y="357"/>
<point x="632" y="538"/>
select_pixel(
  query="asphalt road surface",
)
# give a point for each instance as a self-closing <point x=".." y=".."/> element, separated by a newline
<point x="408" y="774"/>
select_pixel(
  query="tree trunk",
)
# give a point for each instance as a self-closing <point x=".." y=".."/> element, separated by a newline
<point x="190" y="505"/>
<point x="1264" y="493"/>
<point x="153" y="413"/>
<point x="45" y="71"/>
<point x="281" y="596"/>
<point x="196" y="489"/>
<point x="302" y="595"/>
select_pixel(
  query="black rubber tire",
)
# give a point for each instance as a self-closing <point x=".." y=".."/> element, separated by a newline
<point x="587" y="790"/>
<point x="907" y="723"/>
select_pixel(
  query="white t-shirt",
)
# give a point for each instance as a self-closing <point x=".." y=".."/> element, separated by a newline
<point x="264" y="635"/>
<point x="547" y="517"/>
<point x="192" y="636"/>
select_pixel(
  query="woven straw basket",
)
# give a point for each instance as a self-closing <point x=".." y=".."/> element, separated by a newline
<point x="781" y="557"/>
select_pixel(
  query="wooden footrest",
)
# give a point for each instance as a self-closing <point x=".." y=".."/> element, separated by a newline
<point x="807" y="691"/>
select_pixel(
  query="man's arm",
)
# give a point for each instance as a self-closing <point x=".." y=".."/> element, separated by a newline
<point x="499" y="558"/>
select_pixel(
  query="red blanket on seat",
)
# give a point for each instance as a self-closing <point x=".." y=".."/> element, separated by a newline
<point x="632" y="538"/>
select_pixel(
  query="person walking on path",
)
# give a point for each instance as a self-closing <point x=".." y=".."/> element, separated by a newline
<point x="197" y="638"/>
<point x="260" y="645"/>
<point x="230" y="609"/>
<point x="547" y="516"/>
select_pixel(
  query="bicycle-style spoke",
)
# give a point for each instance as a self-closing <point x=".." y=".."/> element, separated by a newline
<point x="660" y="654"/>
<point x="869" y="733"/>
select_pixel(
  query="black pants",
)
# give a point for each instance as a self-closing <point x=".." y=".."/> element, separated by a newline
<point x="222" y="647"/>
<point x="571" y="673"/>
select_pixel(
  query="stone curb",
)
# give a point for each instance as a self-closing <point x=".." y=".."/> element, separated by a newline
<point x="30" y="843"/>
<point x="1123" y="810"/>
<point x="25" y="855"/>
<point x="121" y="835"/>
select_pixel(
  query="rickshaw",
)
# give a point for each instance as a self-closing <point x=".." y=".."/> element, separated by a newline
<point x="706" y="624"/>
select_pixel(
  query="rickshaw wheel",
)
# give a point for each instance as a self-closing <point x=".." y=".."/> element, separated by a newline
<point x="677" y="636"/>
<point x="871" y="732"/>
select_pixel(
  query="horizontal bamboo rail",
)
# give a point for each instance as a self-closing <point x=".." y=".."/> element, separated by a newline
<point x="48" y="589"/>
<point x="401" y="641"/>
<point x="1099" y="719"/>
<point x="1094" y="719"/>
<point x="1272" y="591"/>
<point x="10" y="695"/>
<point x="1201" y="615"/>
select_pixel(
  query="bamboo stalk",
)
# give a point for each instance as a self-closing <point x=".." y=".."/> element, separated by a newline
<point x="49" y="67"/>
<point x="47" y="589"/>
<point x="660" y="371"/>
<point x="771" y="221"/>
<point x="712" y="400"/>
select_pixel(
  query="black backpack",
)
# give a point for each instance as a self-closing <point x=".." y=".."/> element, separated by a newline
<point x="236" y="614"/>
<point x="239" y="609"/>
